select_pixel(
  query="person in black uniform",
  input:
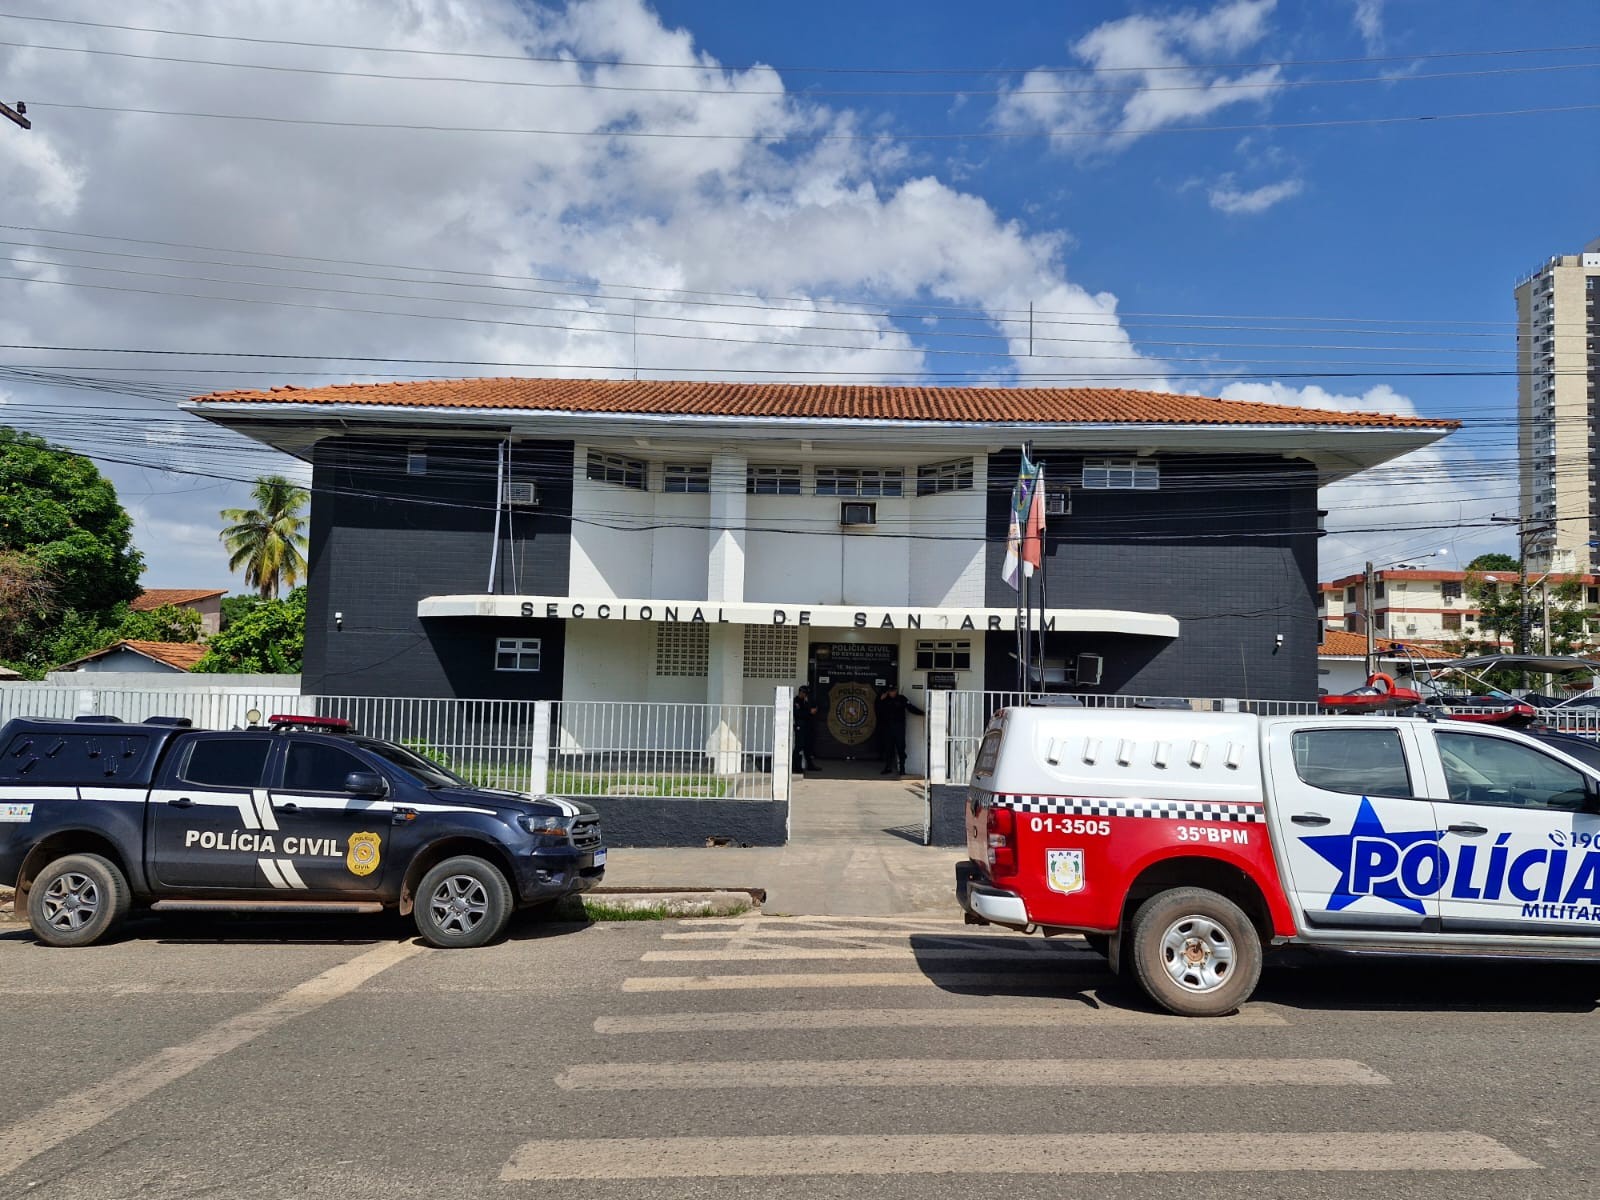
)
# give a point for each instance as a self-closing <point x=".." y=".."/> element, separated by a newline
<point x="805" y="714"/>
<point x="892" y="710"/>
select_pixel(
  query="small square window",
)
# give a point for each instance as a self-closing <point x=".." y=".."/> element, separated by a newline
<point x="1122" y="474"/>
<point x="613" y="468"/>
<point x="860" y="481"/>
<point x="686" y="478"/>
<point x="772" y="481"/>
<point x="516" y="654"/>
<point x="945" y="477"/>
<point x="416" y="461"/>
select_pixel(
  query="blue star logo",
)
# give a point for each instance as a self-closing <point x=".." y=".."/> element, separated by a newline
<point x="1368" y="858"/>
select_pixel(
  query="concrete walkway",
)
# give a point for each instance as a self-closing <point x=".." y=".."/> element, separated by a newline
<point x="854" y="850"/>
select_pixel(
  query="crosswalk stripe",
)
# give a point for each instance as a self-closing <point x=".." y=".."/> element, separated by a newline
<point x="999" y="953"/>
<point x="840" y="979"/>
<point x="954" y="1072"/>
<point x="921" y="1018"/>
<point x="764" y="922"/>
<point x="802" y="935"/>
<point x="1008" y="1154"/>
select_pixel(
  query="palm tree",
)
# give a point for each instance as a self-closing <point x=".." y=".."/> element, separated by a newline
<point x="268" y="540"/>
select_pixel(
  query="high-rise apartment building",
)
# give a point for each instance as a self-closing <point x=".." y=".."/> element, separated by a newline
<point x="1558" y="449"/>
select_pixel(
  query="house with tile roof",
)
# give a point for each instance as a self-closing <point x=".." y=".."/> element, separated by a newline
<point x="131" y="656"/>
<point x="698" y="541"/>
<point x="205" y="601"/>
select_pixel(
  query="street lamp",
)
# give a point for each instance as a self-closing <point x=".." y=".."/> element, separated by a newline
<point x="1366" y="601"/>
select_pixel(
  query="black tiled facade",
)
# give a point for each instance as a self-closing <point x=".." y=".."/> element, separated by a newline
<point x="1228" y="545"/>
<point x="383" y="539"/>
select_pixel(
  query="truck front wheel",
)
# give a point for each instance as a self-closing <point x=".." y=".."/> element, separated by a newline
<point x="1195" y="952"/>
<point x="461" y="903"/>
<point x="76" y="900"/>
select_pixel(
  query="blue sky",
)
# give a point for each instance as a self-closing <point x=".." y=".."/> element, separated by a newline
<point x="1325" y="265"/>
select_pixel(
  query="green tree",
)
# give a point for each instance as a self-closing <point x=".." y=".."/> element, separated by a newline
<point x="1493" y="562"/>
<point x="1511" y="615"/>
<point x="269" y="540"/>
<point x="169" y="623"/>
<point x="66" y="546"/>
<point x="270" y="639"/>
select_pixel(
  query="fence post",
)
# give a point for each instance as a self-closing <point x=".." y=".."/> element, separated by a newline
<point x="939" y="737"/>
<point x="782" y="741"/>
<point x="539" y="766"/>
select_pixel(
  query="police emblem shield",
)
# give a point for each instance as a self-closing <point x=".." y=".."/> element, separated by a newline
<point x="1064" y="870"/>
<point x="362" y="855"/>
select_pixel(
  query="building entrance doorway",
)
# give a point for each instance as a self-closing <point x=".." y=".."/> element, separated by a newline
<point x="846" y="679"/>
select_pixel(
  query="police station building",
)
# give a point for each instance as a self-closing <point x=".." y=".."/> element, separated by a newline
<point x="704" y="542"/>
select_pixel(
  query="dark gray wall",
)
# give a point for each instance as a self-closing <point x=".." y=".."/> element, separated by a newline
<point x="664" y="821"/>
<point x="947" y="821"/>
<point x="381" y="540"/>
<point x="1228" y="545"/>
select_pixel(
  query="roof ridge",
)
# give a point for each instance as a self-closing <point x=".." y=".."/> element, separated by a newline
<point x="1022" y="404"/>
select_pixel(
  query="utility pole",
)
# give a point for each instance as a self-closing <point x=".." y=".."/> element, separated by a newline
<point x="16" y="114"/>
<point x="1366" y="620"/>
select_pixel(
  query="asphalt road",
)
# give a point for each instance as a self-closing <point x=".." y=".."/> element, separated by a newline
<point x="772" y="1058"/>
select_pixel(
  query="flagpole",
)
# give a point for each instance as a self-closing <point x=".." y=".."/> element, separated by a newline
<point x="1023" y="607"/>
<point x="1044" y="559"/>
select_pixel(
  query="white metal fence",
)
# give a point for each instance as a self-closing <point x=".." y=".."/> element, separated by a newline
<point x="969" y="713"/>
<point x="207" y="707"/>
<point x="572" y="747"/>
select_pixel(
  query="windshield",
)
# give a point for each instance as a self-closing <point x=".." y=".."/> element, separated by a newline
<point x="427" y="773"/>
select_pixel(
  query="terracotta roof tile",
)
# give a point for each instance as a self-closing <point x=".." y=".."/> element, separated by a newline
<point x="1340" y="643"/>
<point x="154" y="598"/>
<point x="1121" y="406"/>
<point x="182" y="655"/>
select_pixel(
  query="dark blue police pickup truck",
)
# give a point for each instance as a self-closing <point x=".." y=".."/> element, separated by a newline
<point x="300" y="816"/>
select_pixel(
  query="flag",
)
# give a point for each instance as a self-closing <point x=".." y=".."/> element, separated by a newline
<point x="1033" y="533"/>
<point x="1021" y="507"/>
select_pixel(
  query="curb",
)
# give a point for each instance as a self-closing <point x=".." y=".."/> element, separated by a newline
<point x="675" y="902"/>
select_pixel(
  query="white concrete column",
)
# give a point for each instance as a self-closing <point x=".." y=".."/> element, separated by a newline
<point x="938" y="706"/>
<point x="539" y="758"/>
<point x="725" y="690"/>
<point x="725" y="583"/>
<point x="725" y="563"/>
<point x="782" y="741"/>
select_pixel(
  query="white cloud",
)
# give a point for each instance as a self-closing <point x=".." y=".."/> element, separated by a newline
<point x="845" y="228"/>
<point x="1369" y="22"/>
<point x="1149" y="78"/>
<point x="1433" y="498"/>
<point x="1225" y="197"/>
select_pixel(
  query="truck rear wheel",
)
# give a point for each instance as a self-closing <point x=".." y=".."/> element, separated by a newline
<point x="1195" y="952"/>
<point x="461" y="903"/>
<point x="76" y="900"/>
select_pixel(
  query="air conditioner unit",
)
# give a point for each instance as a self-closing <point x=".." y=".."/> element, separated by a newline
<point x="1411" y="628"/>
<point x="1058" y="504"/>
<point x="858" y="514"/>
<point x="521" y="495"/>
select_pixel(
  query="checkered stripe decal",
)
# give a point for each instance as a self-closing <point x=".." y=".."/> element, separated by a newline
<point x="1164" y="810"/>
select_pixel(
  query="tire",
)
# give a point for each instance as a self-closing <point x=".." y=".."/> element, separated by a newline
<point x="76" y="900"/>
<point x="461" y="903"/>
<point x="1195" y="953"/>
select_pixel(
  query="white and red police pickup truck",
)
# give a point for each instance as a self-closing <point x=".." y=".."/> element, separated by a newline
<point x="1184" y="845"/>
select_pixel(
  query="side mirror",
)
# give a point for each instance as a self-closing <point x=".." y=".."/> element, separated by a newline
<point x="366" y="783"/>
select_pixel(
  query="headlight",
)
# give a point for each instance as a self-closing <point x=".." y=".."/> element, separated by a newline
<point x="543" y="826"/>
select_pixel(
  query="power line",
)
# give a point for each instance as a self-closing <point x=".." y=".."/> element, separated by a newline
<point x="801" y="136"/>
<point x="834" y="70"/>
<point x="810" y="93"/>
<point x="912" y="309"/>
